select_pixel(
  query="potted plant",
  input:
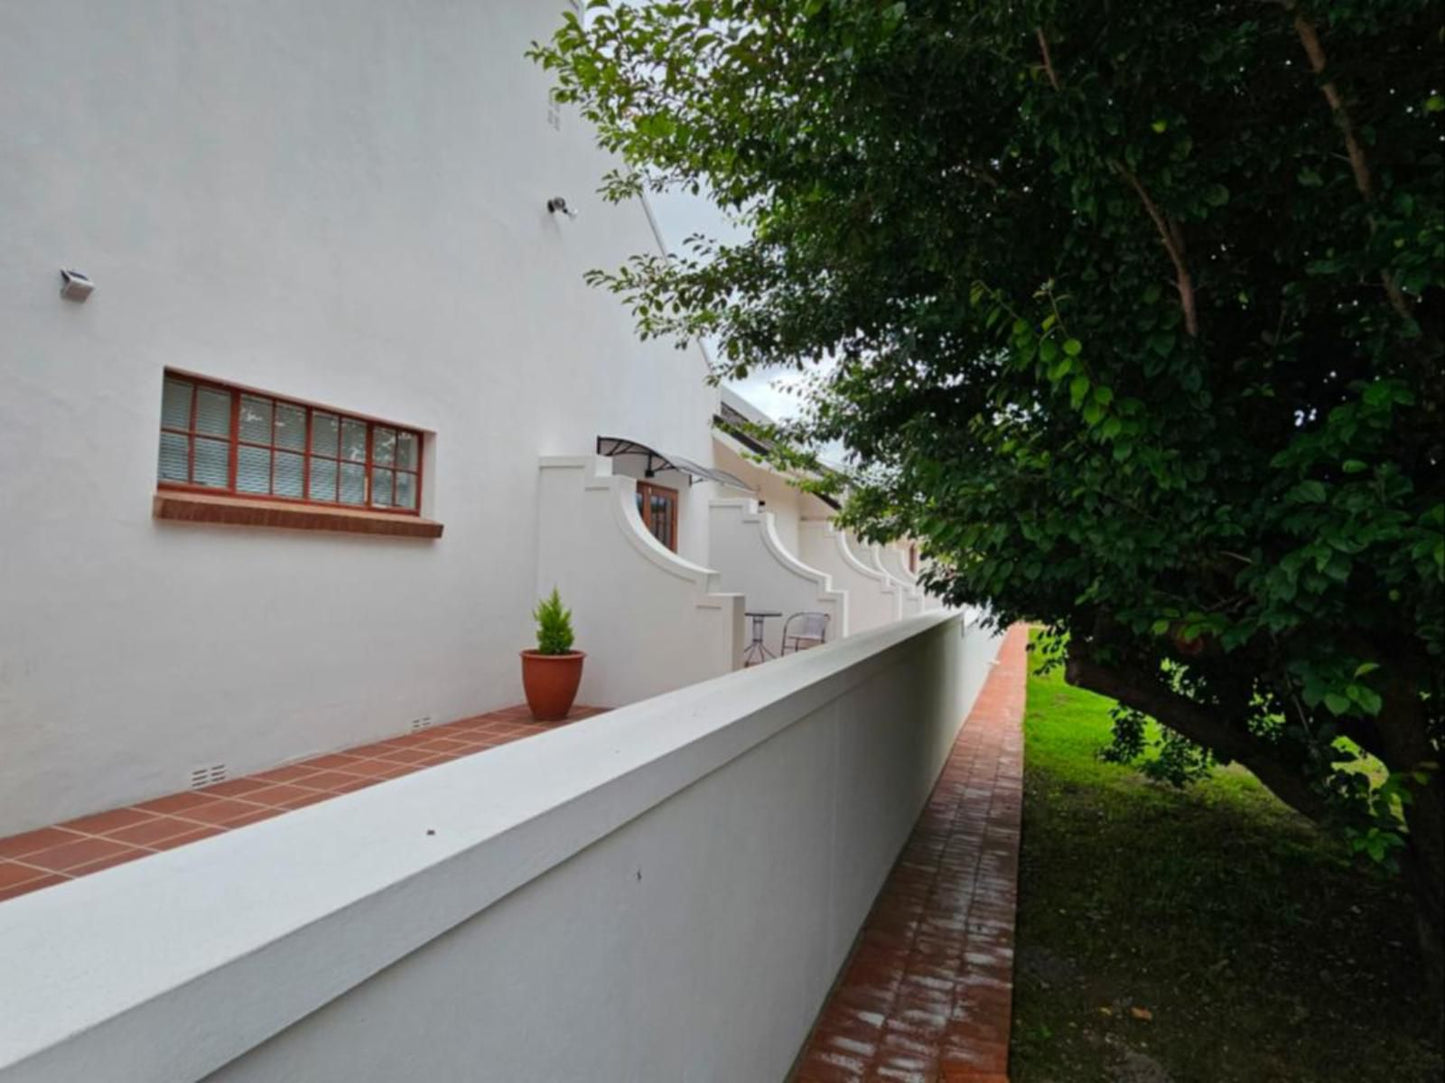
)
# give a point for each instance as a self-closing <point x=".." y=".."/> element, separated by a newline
<point x="551" y="673"/>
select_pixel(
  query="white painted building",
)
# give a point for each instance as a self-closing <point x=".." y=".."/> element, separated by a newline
<point x="338" y="408"/>
<point x="292" y="477"/>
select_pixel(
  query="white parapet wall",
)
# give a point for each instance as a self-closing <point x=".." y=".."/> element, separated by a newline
<point x="873" y="598"/>
<point x="890" y="560"/>
<point x="751" y="559"/>
<point x="648" y="620"/>
<point x="661" y="893"/>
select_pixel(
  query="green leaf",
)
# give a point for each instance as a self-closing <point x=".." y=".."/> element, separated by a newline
<point x="1216" y="195"/>
<point x="1337" y="703"/>
<point x="1073" y="347"/>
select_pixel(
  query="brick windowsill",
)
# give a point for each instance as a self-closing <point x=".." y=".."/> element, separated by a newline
<point x="185" y="507"/>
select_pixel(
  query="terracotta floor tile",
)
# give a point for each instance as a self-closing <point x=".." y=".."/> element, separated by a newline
<point x="103" y="823"/>
<point x="51" y="855"/>
<point x="177" y="802"/>
<point x="73" y="854"/>
<point x="32" y="841"/>
<point x="312" y="797"/>
<point x="278" y="795"/>
<point x="130" y="854"/>
<point x="327" y="780"/>
<point x="406" y="755"/>
<point x="290" y="773"/>
<point x="254" y="817"/>
<point x="236" y="787"/>
<point x="939" y="938"/>
<point x="219" y="812"/>
<point x="153" y="831"/>
<point x="194" y="835"/>
<point x="371" y="768"/>
<point x="12" y="874"/>
<point x="48" y="880"/>
<point x="331" y="761"/>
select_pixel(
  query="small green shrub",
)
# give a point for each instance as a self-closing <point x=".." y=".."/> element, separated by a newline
<point x="554" y="625"/>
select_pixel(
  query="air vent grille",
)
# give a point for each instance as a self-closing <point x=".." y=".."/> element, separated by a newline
<point x="208" y="775"/>
<point x="420" y="723"/>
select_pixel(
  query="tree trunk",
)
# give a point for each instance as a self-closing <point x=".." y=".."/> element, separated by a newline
<point x="1405" y="747"/>
<point x="1425" y="873"/>
<point x="1405" y="735"/>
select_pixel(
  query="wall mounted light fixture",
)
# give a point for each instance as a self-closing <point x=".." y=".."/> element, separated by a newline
<point x="558" y="205"/>
<point x="75" y="285"/>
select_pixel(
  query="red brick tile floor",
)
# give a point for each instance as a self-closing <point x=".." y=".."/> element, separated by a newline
<point x="926" y="995"/>
<point x="52" y="855"/>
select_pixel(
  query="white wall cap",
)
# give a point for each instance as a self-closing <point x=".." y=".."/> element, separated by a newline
<point x="165" y="969"/>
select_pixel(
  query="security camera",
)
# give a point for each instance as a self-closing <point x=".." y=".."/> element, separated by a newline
<point x="558" y="205"/>
<point x="75" y="286"/>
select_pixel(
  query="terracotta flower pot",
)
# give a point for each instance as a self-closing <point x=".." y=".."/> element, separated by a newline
<point x="550" y="681"/>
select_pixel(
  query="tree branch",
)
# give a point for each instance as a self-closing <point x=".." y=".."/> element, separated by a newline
<point x="1048" y="59"/>
<point x="1173" y="243"/>
<point x="1168" y="230"/>
<point x="1200" y="724"/>
<point x="1310" y="39"/>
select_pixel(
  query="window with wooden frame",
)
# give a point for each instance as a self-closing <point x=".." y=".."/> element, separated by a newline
<point x="217" y="438"/>
<point x="658" y="507"/>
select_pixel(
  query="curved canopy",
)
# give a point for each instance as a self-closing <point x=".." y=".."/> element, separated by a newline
<point x="614" y="446"/>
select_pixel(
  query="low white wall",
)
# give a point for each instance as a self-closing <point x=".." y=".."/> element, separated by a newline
<point x="873" y="598"/>
<point x="752" y="559"/>
<point x="648" y="620"/>
<point x="662" y="893"/>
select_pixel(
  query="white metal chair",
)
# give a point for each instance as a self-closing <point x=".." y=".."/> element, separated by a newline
<point x="811" y="630"/>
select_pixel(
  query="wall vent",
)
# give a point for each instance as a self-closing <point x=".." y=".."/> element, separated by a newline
<point x="420" y="723"/>
<point x="208" y="775"/>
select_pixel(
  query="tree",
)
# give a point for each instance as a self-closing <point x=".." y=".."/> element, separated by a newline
<point x="1133" y="315"/>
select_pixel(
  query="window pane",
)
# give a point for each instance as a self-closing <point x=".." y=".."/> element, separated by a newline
<point x="406" y="491"/>
<point x="353" y="484"/>
<point x="381" y="486"/>
<point x="255" y="417"/>
<point x="406" y="450"/>
<point x="212" y="462"/>
<point x="213" y="411"/>
<point x="324" y="431"/>
<point x="176" y="403"/>
<point x="383" y="445"/>
<point x="290" y="426"/>
<point x="289" y="469"/>
<point x="323" y="479"/>
<point x="253" y="470"/>
<point x="353" y="440"/>
<point x="175" y="454"/>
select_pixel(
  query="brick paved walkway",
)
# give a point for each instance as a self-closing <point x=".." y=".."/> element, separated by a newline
<point x="927" y="994"/>
<point x="52" y="855"/>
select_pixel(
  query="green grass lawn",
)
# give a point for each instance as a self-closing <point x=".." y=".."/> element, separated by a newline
<point x="1198" y="935"/>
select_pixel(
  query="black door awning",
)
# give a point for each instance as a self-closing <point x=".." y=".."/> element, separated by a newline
<point x="614" y="446"/>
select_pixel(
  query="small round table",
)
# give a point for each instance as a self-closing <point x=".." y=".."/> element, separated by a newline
<point x="757" y="650"/>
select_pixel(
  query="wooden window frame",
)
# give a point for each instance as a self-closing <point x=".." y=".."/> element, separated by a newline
<point x="307" y="453"/>
<point x="645" y="489"/>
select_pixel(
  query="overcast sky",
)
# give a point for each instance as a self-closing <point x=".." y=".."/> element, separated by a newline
<point x="678" y="216"/>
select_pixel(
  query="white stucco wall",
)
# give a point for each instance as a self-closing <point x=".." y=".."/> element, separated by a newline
<point x="751" y="559"/>
<point x="873" y="598"/>
<point x="340" y="201"/>
<point x="662" y="893"/>
<point x="649" y="620"/>
<point x="893" y="563"/>
<point x="787" y="504"/>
